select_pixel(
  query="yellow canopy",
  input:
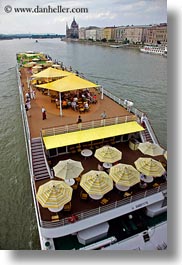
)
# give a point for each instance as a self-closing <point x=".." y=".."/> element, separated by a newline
<point x="68" y="83"/>
<point x="76" y="137"/>
<point x="51" y="72"/>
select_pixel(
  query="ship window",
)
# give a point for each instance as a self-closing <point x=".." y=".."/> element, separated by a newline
<point x="53" y="152"/>
<point x="125" y="137"/>
<point x="61" y="150"/>
<point x="118" y="138"/>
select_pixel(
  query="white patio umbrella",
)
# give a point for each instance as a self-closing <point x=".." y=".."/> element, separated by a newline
<point x="96" y="183"/>
<point x="108" y="154"/>
<point x="165" y="155"/>
<point x="151" y="149"/>
<point x="124" y="174"/>
<point x="68" y="169"/>
<point x="149" y="167"/>
<point x="54" y="194"/>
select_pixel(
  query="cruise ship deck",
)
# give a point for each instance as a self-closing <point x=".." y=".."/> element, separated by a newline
<point x="69" y="116"/>
<point x="55" y="125"/>
<point x="79" y="205"/>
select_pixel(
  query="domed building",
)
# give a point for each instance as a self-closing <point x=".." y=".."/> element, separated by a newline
<point x="73" y="31"/>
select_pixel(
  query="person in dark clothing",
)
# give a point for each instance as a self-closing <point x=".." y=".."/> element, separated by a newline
<point x="79" y="119"/>
<point x="44" y="113"/>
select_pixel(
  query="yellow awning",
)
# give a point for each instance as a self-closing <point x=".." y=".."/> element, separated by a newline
<point x="68" y="83"/>
<point x="91" y="134"/>
<point x="51" y="72"/>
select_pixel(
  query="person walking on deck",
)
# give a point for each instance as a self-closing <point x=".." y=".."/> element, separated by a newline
<point x="33" y="94"/>
<point x="143" y="119"/>
<point x="103" y="115"/>
<point x="27" y="110"/>
<point x="79" y="119"/>
<point x="44" y="113"/>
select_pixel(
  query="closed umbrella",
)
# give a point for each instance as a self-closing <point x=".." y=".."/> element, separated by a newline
<point x="96" y="183"/>
<point x="125" y="175"/>
<point x="151" y="149"/>
<point x="68" y="169"/>
<point x="108" y="154"/>
<point x="54" y="195"/>
<point x="149" y="167"/>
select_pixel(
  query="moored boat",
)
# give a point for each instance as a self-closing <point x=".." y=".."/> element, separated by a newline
<point x="116" y="46"/>
<point x="159" y="50"/>
<point x="90" y="221"/>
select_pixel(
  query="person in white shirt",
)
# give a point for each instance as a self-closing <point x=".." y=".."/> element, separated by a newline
<point x="103" y="115"/>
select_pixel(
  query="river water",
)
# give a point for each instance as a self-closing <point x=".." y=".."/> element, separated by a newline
<point x="127" y="73"/>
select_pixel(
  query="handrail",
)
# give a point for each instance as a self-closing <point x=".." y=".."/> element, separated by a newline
<point x="25" y="124"/>
<point x="96" y="123"/>
<point x="86" y="125"/>
<point x="105" y="208"/>
<point x="45" y="159"/>
<point x="138" y="114"/>
<point x="151" y="131"/>
<point x="120" y="101"/>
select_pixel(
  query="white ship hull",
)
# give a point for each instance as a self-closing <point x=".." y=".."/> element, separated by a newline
<point x="154" y="50"/>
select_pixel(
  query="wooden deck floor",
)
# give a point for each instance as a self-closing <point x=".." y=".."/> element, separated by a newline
<point x="91" y="163"/>
<point x="69" y="116"/>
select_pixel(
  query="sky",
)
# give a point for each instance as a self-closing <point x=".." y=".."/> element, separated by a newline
<point x="100" y="13"/>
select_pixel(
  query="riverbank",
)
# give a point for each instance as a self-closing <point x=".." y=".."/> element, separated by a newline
<point x="104" y="44"/>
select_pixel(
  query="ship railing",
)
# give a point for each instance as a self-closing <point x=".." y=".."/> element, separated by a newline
<point x="105" y="208"/>
<point x="96" y="123"/>
<point x="25" y="124"/>
<point x="86" y="125"/>
<point x="120" y="101"/>
<point x="151" y="131"/>
<point x="28" y="145"/>
<point x="45" y="159"/>
<point x="136" y="111"/>
<point x="37" y="209"/>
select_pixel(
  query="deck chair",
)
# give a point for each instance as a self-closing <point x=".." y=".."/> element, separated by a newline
<point x="75" y="186"/>
<point x="55" y="218"/>
<point x="104" y="201"/>
<point x="127" y="194"/>
<point x="155" y="185"/>
<point x="83" y="195"/>
<point x="67" y="207"/>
